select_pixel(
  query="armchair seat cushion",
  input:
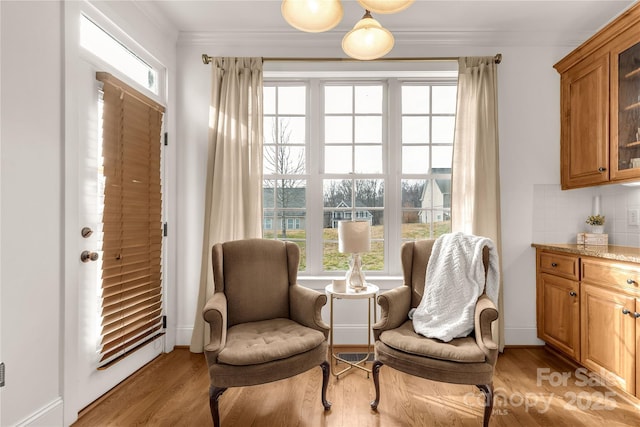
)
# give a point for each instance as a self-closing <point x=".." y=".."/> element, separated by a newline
<point x="264" y="341"/>
<point x="462" y="350"/>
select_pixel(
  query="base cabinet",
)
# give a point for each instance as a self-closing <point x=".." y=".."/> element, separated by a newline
<point x="608" y="335"/>
<point x="591" y="314"/>
<point x="559" y="320"/>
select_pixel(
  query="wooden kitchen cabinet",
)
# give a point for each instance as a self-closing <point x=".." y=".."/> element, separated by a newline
<point x="558" y="308"/>
<point x="588" y="308"/>
<point x="584" y="149"/>
<point x="559" y="313"/>
<point x="636" y="316"/>
<point x="608" y="335"/>
<point x="600" y="106"/>
<point x="625" y="118"/>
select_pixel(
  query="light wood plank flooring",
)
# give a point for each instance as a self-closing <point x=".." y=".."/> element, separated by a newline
<point x="173" y="391"/>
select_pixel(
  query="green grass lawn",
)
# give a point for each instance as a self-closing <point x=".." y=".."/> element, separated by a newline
<point x="372" y="261"/>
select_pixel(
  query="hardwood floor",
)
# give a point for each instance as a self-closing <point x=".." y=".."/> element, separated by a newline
<point x="530" y="391"/>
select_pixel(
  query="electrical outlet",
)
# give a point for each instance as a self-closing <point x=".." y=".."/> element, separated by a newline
<point x="632" y="217"/>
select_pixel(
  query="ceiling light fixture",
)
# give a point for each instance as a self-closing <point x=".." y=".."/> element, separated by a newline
<point x="312" y="16"/>
<point x="368" y="39"/>
<point x="385" y="6"/>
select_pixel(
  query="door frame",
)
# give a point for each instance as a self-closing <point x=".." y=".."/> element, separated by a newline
<point x="74" y="56"/>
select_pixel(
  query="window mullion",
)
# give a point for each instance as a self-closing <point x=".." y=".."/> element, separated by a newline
<point x="393" y="238"/>
<point x="315" y="132"/>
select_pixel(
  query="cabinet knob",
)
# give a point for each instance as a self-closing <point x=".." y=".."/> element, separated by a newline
<point x="554" y="264"/>
<point x="602" y="169"/>
<point x="631" y="281"/>
<point x="625" y="311"/>
<point x="573" y="293"/>
<point x="636" y="315"/>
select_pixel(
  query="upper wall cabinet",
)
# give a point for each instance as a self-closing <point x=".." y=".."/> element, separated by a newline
<point x="600" y="106"/>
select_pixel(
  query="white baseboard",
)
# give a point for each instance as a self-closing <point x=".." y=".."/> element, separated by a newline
<point x="521" y="336"/>
<point x="349" y="334"/>
<point x="50" y="415"/>
<point x="183" y="335"/>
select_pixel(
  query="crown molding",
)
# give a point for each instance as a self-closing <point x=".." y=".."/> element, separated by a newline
<point x="292" y="39"/>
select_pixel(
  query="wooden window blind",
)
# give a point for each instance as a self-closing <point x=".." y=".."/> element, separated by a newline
<point x="132" y="220"/>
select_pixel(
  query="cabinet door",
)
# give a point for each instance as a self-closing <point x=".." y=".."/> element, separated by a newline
<point x="625" y="108"/>
<point x="584" y="146"/>
<point x="636" y="315"/>
<point x="558" y="312"/>
<point x="608" y="335"/>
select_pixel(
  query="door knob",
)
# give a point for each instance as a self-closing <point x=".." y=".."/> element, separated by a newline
<point x="87" y="256"/>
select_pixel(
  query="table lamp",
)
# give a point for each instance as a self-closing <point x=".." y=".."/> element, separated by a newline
<point x="354" y="237"/>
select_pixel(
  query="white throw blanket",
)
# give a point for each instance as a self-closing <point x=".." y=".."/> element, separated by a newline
<point x="454" y="282"/>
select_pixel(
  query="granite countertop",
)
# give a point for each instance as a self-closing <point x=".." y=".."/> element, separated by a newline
<point x="618" y="253"/>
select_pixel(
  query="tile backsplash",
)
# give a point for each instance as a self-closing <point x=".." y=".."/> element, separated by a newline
<point x="559" y="215"/>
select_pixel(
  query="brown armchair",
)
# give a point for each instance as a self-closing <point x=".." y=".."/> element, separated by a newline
<point x="264" y="326"/>
<point x="469" y="360"/>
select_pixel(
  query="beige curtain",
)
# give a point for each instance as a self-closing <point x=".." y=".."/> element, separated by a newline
<point x="475" y="204"/>
<point x="233" y="200"/>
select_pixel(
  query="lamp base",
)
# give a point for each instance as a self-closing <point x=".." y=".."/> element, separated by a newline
<point x="355" y="277"/>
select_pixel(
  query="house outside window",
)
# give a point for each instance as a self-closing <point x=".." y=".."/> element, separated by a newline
<point x="378" y="150"/>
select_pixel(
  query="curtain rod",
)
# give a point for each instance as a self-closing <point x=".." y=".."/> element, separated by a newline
<point x="206" y="59"/>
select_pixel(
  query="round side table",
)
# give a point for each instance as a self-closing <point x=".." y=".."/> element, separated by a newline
<point x="368" y="293"/>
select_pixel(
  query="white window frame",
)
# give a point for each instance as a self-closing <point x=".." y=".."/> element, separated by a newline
<point x="105" y="24"/>
<point x="431" y="74"/>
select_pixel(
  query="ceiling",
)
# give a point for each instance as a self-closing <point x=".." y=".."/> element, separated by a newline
<point x="565" y="18"/>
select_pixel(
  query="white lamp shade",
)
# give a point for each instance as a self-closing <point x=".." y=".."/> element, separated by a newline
<point x="385" y="6"/>
<point x="312" y="16"/>
<point x="354" y="236"/>
<point x="367" y="40"/>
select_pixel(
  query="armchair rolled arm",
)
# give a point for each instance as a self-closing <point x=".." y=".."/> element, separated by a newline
<point x="305" y="306"/>
<point x="394" y="308"/>
<point x="215" y="314"/>
<point x="485" y="314"/>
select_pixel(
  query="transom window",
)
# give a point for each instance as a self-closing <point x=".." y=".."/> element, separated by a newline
<point x="378" y="150"/>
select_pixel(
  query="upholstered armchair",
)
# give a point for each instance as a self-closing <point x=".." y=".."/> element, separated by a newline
<point x="264" y="326"/>
<point x="469" y="360"/>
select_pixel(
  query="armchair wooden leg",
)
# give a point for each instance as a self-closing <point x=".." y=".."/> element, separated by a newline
<point x="325" y="382"/>
<point x="487" y="390"/>
<point x="375" y="370"/>
<point x="214" y="395"/>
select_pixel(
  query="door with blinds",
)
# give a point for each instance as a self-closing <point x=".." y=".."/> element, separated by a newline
<point x="131" y="273"/>
<point x="118" y="234"/>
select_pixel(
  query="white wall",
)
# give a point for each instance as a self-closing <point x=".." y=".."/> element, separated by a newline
<point x="31" y="180"/>
<point x="529" y="121"/>
<point x="32" y="208"/>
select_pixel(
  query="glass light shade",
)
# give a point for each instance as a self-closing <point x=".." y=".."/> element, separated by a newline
<point x="354" y="236"/>
<point x="312" y="16"/>
<point x="385" y="6"/>
<point x="367" y="40"/>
